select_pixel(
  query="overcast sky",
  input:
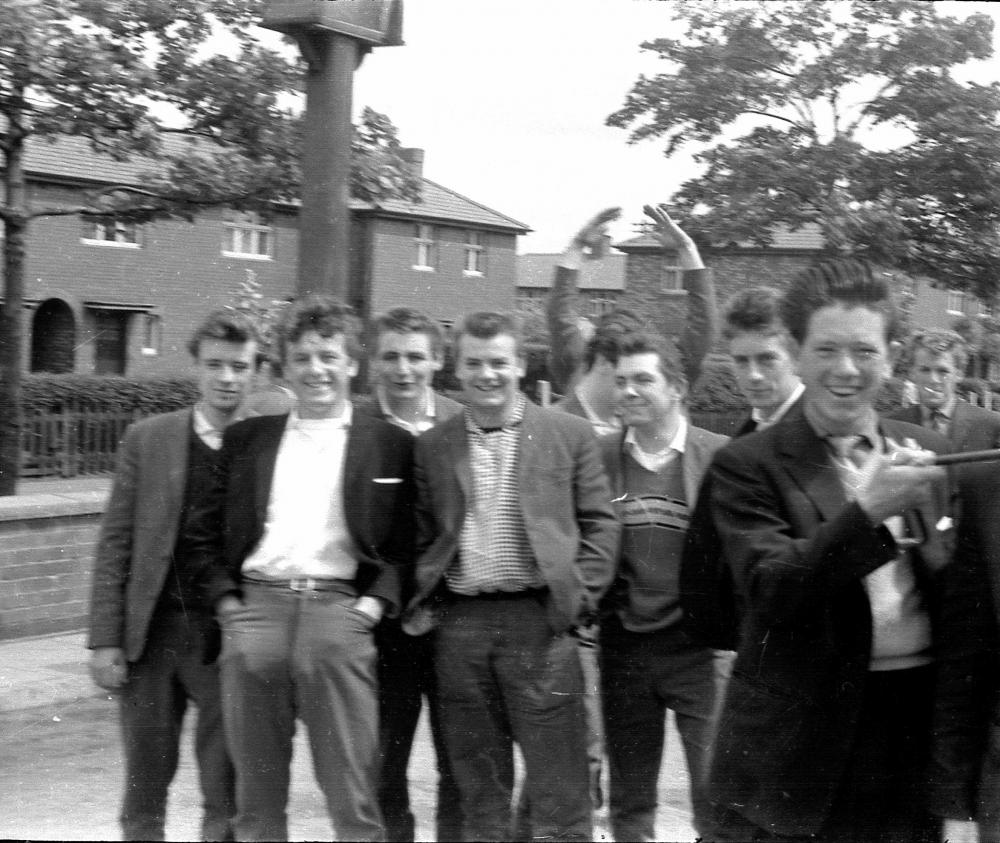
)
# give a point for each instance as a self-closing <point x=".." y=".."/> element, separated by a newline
<point x="509" y="99"/>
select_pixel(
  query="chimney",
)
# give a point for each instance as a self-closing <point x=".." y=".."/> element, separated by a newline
<point x="414" y="156"/>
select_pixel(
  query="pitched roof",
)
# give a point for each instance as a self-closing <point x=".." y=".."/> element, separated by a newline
<point x="537" y="270"/>
<point x="71" y="157"/>
<point x="806" y="237"/>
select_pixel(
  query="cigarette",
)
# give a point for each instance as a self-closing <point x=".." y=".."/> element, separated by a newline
<point x="968" y="456"/>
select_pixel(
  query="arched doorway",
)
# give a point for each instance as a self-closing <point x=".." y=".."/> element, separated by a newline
<point x="53" y="337"/>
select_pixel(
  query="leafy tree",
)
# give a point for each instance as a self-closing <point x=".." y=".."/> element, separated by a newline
<point x="133" y="76"/>
<point x="792" y="106"/>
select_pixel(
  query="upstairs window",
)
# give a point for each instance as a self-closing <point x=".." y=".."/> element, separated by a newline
<point x="110" y="231"/>
<point x="956" y="300"/>
<point x="248" y="235"/>
<point x="672" y="278"/>
<point x="475" y="253"/>
<point x="426" y="247"/>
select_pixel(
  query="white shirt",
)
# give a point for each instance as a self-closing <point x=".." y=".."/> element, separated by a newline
<point x="776" y="416"/>
<point x="305" y="532"/>
<point x="413" y="428"/>
<point x="658" y="460"/>
<point x="206" y="431"/>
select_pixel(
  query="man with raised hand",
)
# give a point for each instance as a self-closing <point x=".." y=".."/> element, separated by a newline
<point x="586" y="376"/>
<point x="407" y="348"/>
<point x="648" y="663"/>
<point x="853" y="708"/>
<point x="516" y="537"/>
<point x="153" y="637"/>
<point x="301" y="543"/>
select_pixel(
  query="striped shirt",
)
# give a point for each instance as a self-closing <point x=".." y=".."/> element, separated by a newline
<point x="494" y="553"/>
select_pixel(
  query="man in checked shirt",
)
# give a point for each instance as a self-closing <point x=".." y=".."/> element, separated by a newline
<point x="515" y="547"/>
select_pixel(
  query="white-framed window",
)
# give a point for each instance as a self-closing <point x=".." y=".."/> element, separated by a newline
<point x="672" y="278"/>
<point x="955" y="302"/>
<point x="152" y="333"/>
<point x="110" y="231"/>
<point x="599" y="305"/>
<point x="426" y="247"/>
<point x="475" y="253"/>
<point x="247" y="235"/>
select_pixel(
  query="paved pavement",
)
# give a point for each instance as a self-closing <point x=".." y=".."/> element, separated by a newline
<point x="61" y="776"/>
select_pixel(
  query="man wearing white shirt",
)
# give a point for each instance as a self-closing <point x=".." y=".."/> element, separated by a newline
<point x="648" y="664"/>
<point x="759" y="345"/>
<point x="301" y="545"/>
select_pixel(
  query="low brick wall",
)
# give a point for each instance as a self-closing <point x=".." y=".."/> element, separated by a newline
<point x="46" y="556"/>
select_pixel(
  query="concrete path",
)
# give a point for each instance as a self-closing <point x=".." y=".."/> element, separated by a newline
<point x="61" y="776"/>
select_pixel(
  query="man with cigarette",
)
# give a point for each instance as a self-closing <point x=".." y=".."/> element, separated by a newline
<point x="856" y="705"/>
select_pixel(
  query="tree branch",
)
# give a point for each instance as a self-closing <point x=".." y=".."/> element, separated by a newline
<point x="798" y="126"/>
<point x="766" y="66"/>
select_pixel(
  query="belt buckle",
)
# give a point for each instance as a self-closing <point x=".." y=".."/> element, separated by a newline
<point x="302" y="584"/>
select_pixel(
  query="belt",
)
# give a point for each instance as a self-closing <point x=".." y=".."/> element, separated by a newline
<point x="304" y="584"/>
<point x="536" y="593"/>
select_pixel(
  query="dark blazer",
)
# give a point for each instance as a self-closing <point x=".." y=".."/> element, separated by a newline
<point x="139" y="530"/>
<point x="798" y="552"/>
<point x="978" y="429"/>
<point x="565" y="503"/>
<point x="379" y="514"/>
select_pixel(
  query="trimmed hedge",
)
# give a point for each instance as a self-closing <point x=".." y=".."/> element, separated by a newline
<point x="49" y="393"/>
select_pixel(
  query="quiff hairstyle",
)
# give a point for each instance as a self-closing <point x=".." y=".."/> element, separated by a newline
<point x="939" y="341"/>
<point x="644" y="343"/>
<point x="225" y="325"/>
<point x="325" y="315"/>
<point x="753" y="310"/>
<point x="406" y="320"/>
<point x="485" y="325"/>
<point x="845" y="282"/>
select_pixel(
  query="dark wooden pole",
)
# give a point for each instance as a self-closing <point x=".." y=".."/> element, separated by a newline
<point x="325" y="222"/>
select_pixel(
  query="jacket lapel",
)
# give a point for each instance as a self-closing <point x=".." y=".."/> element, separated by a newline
<point x="174" y="451"/>
<point x="267" y="453"/>
<point x="959" y="432"/>
<point x="806" y="460"/>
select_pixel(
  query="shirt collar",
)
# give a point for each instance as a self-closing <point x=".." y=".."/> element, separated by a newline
<point x="512" y="422"/>
<point x="868" y="428"/>
<point x="430" y="405"/>
<point x="677" y="443"/>
<point x="777" y="415"/>
<point x="343" y="421"/>
<point x="948" y="410"/>
<point x="206" y="431"/>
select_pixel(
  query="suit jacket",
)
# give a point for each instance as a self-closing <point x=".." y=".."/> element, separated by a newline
<point x="379" y="515"/>
<point x="710" y="599"/>
<point x="798" y="552"/>
<point x="978" y="429"/>
<point x="139" y="531"/>
<point x="565" y="503"/>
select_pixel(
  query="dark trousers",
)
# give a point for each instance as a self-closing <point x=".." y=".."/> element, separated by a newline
<point x="170" y="673"/>
<point x="306" y="655"/>
<point x="406" y="676"/>
<point x="881" y="796"/>
<point x="643" y="674"/>
<point x="505" y="677"/>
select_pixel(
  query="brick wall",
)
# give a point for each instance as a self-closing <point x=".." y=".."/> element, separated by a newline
<point x="447" y="292"/>
<point x="46" y="556"/>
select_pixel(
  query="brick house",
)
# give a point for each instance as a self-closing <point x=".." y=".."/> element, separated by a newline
<point x="104" y="296"/>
